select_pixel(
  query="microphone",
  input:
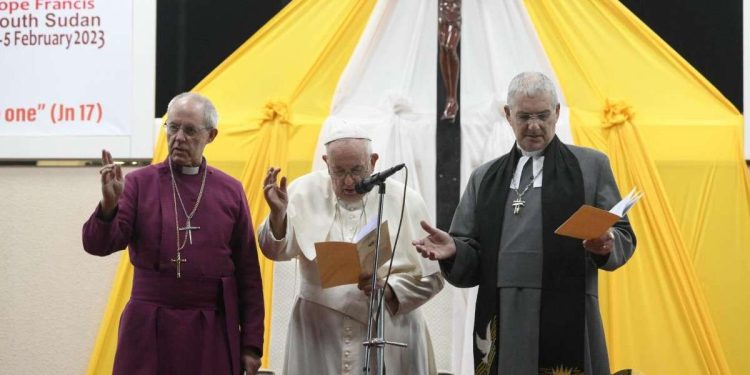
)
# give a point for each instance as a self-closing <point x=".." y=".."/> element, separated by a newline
<point x="368" y="183"/>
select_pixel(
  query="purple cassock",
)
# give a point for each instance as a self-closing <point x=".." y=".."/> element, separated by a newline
<point x="198" y="323"/>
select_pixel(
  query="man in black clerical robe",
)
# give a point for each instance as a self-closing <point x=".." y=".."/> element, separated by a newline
<point x="537" y="308"/>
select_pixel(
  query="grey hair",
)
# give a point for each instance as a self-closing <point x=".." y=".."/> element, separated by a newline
<point x="531" y="84"/>
<point x="210" y="116"/>
<point x="367" y="143"/>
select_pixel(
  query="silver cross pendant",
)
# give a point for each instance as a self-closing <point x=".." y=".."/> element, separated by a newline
<point x="517" y="204"/>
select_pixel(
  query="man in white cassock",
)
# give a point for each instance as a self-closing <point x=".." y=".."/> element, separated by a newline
<point x="328" y="326"/>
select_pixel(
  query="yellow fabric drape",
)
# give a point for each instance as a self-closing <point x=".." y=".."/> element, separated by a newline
<point x="272" y="95"/>
<point x="680" y="305"/>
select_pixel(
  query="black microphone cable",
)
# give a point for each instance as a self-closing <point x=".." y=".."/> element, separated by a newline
<point x="393" y="253"/>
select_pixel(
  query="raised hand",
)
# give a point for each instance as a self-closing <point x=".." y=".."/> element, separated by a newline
<point x="277" y="198"/>
<point x="438" y="245"/>
<point x="112" y="184"/>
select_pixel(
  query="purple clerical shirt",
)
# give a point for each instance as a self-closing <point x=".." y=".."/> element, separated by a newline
<point x="183" y="325"/>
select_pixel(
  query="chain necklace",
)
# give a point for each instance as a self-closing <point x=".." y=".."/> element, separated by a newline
<point x="359" y="221"/>
<point x="518" y="203"/>
<point x="188" y="228"/>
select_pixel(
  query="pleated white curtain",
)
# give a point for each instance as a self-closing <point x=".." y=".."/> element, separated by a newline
<point x="389" y="87"/>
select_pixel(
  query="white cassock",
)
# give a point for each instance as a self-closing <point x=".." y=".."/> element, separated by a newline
<point x="328" y="326"/>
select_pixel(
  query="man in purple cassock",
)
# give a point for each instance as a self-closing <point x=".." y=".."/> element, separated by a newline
<point x="197" y="301"/>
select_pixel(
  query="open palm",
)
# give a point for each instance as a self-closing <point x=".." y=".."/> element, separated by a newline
<point x="438" y="245"/>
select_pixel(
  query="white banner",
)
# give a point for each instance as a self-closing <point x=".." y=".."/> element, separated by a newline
<point x="67" y="68"/>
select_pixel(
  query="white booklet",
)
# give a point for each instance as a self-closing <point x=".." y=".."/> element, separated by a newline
<point x="623" y="206"/>
<point x="590" y="222"/>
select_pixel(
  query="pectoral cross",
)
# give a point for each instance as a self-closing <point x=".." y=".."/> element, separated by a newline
<point x="177" y="262"/>
<point x="189" y="228"/>
<point x="517" y="204"/>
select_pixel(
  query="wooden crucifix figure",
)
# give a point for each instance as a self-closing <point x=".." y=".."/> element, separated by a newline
<point x="449" y="35"/>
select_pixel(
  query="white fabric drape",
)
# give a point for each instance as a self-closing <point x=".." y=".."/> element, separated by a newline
<point x="390" y="88"/>
<point x="498" y="41"/>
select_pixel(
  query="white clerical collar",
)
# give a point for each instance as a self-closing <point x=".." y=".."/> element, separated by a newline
<point x="537" y="158"/>
<point x="186" y="169"/>
<point x="190" y="170"/>
<point x="352" y="206"/>
<point x="529" y="153"/>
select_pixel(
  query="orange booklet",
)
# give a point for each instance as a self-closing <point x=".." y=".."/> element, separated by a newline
<point x="590" y="222"/>
<point x="341" y="263"/>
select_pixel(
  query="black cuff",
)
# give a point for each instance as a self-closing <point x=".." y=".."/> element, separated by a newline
<point x="253" y="350"/>
<point x="600" y="260"/>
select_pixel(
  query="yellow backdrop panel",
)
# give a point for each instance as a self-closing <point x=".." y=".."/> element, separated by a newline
<point x="676" y="308"/>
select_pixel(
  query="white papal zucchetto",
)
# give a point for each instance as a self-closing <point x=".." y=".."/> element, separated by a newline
<point x="336" y="128"/>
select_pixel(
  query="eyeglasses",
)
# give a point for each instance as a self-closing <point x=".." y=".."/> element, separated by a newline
<point x="189" y="131"/>
<point x="527" y="117"/>
<point x="354" y="173"/>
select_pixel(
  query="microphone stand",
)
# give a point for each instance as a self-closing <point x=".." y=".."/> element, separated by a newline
<point x="376" y="302"/>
